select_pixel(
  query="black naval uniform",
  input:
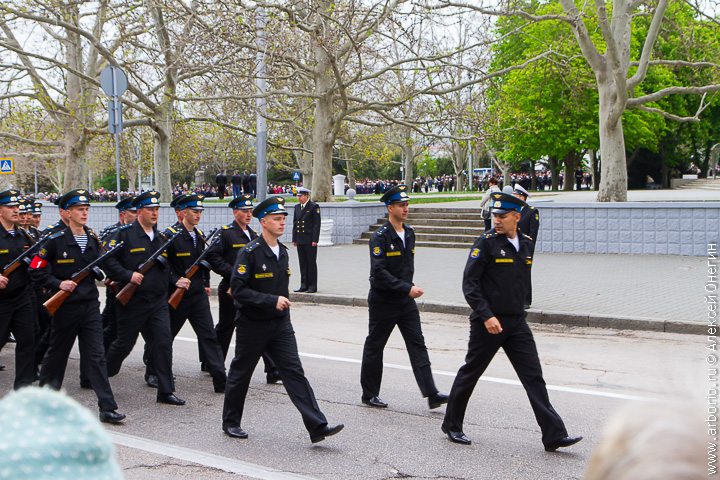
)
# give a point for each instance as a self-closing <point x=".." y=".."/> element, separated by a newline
<point x="78" y="317"/>
<point x="529" y="224"/>
<point x="306" y="231"/>
<point x="195" y="305"/>
<point x="495" y="283"/>
<point x="222" y="259"/>
<point x="148" y="308"/>
<point x="42" y="338"/>
<point x="108" y="314"/>
<point x="16" y="310"/>
<point x="258" y="278"/>
<point x="391" y="278"/>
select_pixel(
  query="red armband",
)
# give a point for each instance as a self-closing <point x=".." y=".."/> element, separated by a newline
<point x="38" y="263"/>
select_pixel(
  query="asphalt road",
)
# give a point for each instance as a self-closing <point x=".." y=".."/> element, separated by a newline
<point x="590" y="373"/>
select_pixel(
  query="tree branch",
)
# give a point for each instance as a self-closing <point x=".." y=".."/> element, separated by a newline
<point x="29" y="141"/>
<point x="654" y="97"/>
<point x="650" y="40"/>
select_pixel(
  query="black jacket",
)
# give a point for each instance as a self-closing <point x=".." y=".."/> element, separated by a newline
<point x="182" y="253"/>
<point x="136" y="249"/>
<point x="224" y="252"/>
<point x="11" y="246"/>
<point x="60" y="258"/>
<point x="497" y="278"/>
<point x="529" y="223"/>
<point x="306" y="223"/>
<point x="221" y="179"/>
<point x="258" y="279"/>
<point x="392" y="265"/>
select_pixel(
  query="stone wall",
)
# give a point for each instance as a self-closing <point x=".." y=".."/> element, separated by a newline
<point x="350" y="218"/>
<point x="652" y="228"/>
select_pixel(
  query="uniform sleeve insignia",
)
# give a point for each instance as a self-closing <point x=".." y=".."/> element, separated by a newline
<point x="42" y="252"/>
<point x="242" y="269"/>
<point x="172" y="229"/>
<point x="226" y="227"/>
<point x="537" y="216"/>
<point x="475" y="253"/>
<point x="377" y="251"/>
<point x="112" y="243"/>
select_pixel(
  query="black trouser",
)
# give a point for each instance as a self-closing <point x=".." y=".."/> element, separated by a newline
<point x="307" y="256"/>
<point x="154" y="320"/>
<point x="42" y="328"/>
<point x="109" y="325"/>
<point x="195" y="307"/>
<point x="226" y="326"/>
<point x="16" y="316"/>
<point x="82" y="321"/>
<point x="383" y="318"/>
<point x="518" y="343"/>
<point x="275" y="336"/>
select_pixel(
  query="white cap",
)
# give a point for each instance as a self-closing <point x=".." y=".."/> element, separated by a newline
<point x="519" y="189"/>
<point x="302" y="190"/>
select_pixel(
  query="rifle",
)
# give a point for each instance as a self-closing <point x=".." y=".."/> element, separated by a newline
<point x="56" y="301"/>
<point x="25" y="256"/>
<point x="128" y="290"/>
<point x="179" y="293"/>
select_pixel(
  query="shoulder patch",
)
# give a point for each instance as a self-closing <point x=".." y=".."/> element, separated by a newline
<point x="56" y="235"/>
<point x="242" y="269"/>
<point x="475" y="253"/>
<point x="377" y="252"/>
<point x="251" y="246"/>
<point x="381" y="230"/>
<point x="489" y="234"/>
<point x="125" y="227"/>
<point x="200" y="232"/>
<point x="172" y="229"/>
<point x="526" y="236"/>
<point x="227" y="227"/>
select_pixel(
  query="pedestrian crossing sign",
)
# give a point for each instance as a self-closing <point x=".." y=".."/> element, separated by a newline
<point x="7" y="166"/>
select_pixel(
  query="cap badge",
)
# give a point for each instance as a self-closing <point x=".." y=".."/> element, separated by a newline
<point x="83" y="199"/>
<point x="13" y="199"/>
<point x="248" y="202"/>
<point x="199" y="204"/>
<point x="497" y="204"/>
<point x="153" y="200"/>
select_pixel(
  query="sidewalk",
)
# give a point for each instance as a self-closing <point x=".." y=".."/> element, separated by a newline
<point x="659" y="293"/>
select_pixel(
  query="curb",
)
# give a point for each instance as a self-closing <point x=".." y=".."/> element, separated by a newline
<point x="543" y="317"/>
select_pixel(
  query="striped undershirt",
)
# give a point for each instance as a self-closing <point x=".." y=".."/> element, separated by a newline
<point x="82" y="241"/>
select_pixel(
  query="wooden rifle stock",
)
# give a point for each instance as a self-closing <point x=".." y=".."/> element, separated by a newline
<point x="10" y="268"/>
<point x="128" y="290"/>
<point x="179" y="293"/>
<point x="56" y="301"/>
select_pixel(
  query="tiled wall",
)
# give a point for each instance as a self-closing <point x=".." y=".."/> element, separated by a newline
<point x="669" y="228"/>
<point x="350" y="219"/>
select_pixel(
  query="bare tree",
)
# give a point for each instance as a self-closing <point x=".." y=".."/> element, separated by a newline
<point x="616" y="81"/>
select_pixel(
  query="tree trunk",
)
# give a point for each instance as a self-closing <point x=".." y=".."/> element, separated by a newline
<point x="554" y="173"/>
<point x="304" y="160"/>
<point x="408" y="156"/>
<point x="161" y="156"/>
<point x="323" y="134"/>
<point x="613" y="171"/>
<point x="533" y="176"/>
<point x="459" y="158"/>
<point x="75" y="166"/>
<point x="569" y="165"/>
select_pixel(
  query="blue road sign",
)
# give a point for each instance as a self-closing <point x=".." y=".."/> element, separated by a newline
<point x="296" y="176"/>
<point x="7" y="166"/>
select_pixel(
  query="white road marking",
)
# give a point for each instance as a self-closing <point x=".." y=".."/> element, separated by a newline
<point x="203" y="458"/>
<point x="505" y="381"/>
